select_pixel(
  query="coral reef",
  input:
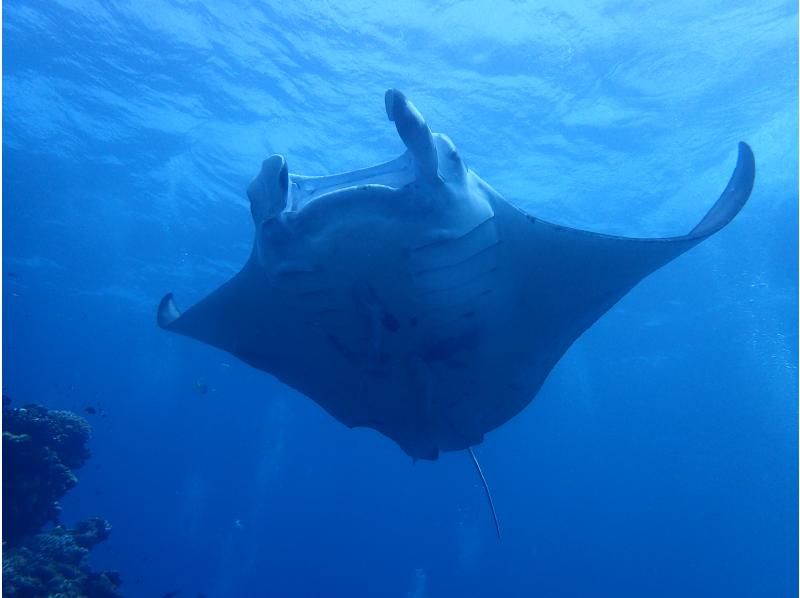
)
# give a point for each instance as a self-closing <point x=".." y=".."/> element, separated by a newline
<point x="53" y="563"/>
<point x="40" y="450"/>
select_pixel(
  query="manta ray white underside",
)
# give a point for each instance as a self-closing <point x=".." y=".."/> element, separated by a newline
<point x="411" y="298"/>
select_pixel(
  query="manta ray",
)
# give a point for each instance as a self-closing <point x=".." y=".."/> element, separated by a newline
<point x="410" y="297"/>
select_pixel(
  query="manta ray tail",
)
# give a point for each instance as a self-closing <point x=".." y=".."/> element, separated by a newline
<point x="486" y="489"/>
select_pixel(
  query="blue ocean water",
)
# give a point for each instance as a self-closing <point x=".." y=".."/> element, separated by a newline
<point x="659" y="459"/>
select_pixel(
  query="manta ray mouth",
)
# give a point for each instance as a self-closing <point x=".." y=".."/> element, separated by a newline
<point x="391" y="175"/>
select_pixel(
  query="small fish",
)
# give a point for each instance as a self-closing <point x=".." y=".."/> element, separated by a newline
<point x="90" y="410"/>
<point x="201" y="387"/>
<point x="171" y="594"/>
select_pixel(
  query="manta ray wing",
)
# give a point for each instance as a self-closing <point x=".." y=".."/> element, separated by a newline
<point x="564" y="279"/>
<point x="234" y="318"/>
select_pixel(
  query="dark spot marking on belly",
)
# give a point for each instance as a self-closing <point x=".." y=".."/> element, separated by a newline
<point x="445" y="350"/>
<point x="343" y="350"/>
<point x="391" y="323"/>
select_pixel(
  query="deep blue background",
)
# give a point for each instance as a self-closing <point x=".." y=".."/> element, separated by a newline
<point x="660" y="458"/>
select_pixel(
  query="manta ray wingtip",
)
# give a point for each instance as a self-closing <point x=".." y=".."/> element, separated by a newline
<point x="733" y="197"/>
<point x="167" y="311"/>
